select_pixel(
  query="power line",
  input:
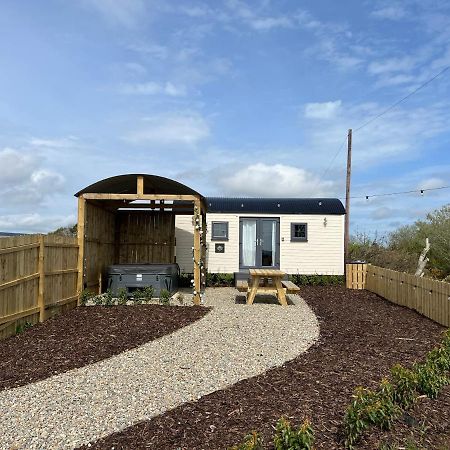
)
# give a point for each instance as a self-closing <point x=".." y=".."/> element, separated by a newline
<point x="413" y="191"/>
<point x="402" y="100"/>
<point x="378" y="116"/>
<point x="333" y="159"/>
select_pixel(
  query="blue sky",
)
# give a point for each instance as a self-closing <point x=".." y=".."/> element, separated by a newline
<point x="229" y="97"/>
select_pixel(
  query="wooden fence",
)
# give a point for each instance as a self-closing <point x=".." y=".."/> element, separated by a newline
<point x="428" y="297"/>
<point x="355" y="276"/>
<point x="38" y="279"/>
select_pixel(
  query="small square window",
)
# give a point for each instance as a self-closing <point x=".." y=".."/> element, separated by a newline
<point x="299" y="232"/>
<point x="219" y="231"/>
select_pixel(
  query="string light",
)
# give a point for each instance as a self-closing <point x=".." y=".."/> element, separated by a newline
<point x="413" y="191"/>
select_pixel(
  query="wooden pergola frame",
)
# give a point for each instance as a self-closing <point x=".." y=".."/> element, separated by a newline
<point x="199" y="205"/>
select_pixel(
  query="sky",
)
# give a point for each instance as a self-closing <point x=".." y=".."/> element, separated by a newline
<point x="231" y="97"/>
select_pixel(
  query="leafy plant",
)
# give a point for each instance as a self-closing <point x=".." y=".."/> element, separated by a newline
<point x="122" y="298"/>
<point x="138" y="296"/>
<point x="317" y="280"/>
<point x="430" y="379"/>
<point x="148" y="292"/>
<point x="405" y="386"/>
<point x="287" y="438"/>
<point x="108" y="298"/>
<point x="164" y="297"/>
<point x="370" y="408"/>
<point x="85" y="296"/>
<point x="252" y="441"/>
<point x="220" y="279"/>
<point x="98" y="299"/>
<point x="23" y="327"/>
<point x="440" y="358"/>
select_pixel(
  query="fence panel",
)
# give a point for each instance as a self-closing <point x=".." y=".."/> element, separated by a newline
<point x="425" y="295"/>
<point x="356" y="275"/>
<point x="38" y="276"/>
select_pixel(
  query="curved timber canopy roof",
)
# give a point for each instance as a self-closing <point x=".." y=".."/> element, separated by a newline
<point x="126" y="184"/>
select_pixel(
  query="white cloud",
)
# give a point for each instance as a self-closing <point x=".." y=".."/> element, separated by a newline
<point x="268" y="23"/>
<point x="177" y="129"/>
<point x="276" y="180"/>
<point x="135" y="68"/>
<point x="432" y="183"/>
<point x="325" y="110"/>
<point x="401" y="134"/>
<point x="122" y="12"/>
<point x="34" y="222"/>
<point x="385" y="212"/>
<point x="150" y="49"/>
<point x="25" y="182"/>
<point x="256" y="19"/>
<point x="15" y="166"/>
<point x="394" y="12"/>
<point x="152" y="88"/>
<point x="392" y="65"/>
<point x="58" y="143"/>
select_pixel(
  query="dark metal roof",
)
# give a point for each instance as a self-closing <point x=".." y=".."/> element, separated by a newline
<point x="275" y="205"/>
<point x="126" y="184"/>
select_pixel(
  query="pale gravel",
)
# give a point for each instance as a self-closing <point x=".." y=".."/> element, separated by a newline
<point x="232" y="342"/>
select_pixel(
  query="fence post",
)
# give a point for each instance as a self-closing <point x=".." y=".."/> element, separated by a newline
<point x="41" y="272"/>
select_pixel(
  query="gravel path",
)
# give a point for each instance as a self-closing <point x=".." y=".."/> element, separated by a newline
<point x="231" y="343"/>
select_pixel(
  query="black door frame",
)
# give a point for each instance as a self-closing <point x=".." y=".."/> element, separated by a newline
<point x="258" y="260"/>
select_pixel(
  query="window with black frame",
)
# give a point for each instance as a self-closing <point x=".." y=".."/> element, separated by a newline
<point x="299" y="232"/>
<point x="219" y="231"/>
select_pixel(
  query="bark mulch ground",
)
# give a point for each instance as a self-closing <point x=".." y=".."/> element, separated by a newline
<point x="86" y="335"/>
<point x="427" y="425"/>
<point x="362" y="337"/>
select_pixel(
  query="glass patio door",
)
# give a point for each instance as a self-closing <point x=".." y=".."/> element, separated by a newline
<point x="259" y="243"/>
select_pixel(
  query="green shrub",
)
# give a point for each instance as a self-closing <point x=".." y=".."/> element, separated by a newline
<point x="405" y="386"/>
<point x="219" y="279"/>
<point x="317" y="280"/>
<point x="164" y="297"/>
<point x="381" y="407"/>
<point x="446" y="340"/>
<point x="98" y="299"/>
<point x="184" y="280"/>
<point x="440" y="358"/>
<point x="252" y="441"/>
<point x="286" y="438"/>
<point x="23" y="327"/>
<point x="430" y="379"/>
<point x="370" y="408"/>
<point x="147" y="293"/>
<point x="138" y="296"/>
<point x="122" y="298"/>
<point x="108" y="298"/>
<point x="85" y="296"/>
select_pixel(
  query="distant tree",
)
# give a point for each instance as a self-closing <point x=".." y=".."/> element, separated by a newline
<point x="70" y="230"/>
<point x="400" y="250"/>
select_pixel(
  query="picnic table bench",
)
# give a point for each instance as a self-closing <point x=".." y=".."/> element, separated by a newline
<point x="267" y="280"/>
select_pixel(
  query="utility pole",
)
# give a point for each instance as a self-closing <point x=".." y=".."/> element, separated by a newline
<point x="347" y="195"/>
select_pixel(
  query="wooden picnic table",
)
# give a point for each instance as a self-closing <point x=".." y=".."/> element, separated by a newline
<point x="274" y="286"/>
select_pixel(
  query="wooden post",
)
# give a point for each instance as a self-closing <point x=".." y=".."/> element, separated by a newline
<point x="347" y="196"/>
<point x="41" y="270"/>
<point x="140" y="186"/>
<point x="197" y="255"/>
<point x="80" y="233"/>
<point x="204" y="248"/>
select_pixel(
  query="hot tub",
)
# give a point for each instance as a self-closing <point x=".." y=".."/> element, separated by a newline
<point x="136" y="276"/>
